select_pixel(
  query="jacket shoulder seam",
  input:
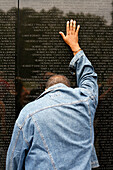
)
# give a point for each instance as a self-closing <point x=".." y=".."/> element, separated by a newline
<point x="57" y="105"/>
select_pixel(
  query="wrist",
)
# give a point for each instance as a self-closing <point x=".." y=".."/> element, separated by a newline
<point x="75" y="52"/>
<point x="75" y="47"/>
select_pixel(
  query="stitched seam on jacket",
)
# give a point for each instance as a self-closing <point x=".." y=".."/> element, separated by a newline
<point x="44" y="143"/>
<point x="63" y="104"/>
<point x="90" y="128"/>
<point x="14" y="150"/>
<point x="90" y="122"/>
<point x="25" y="139"/>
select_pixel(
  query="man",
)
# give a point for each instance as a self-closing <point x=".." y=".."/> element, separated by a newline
<point x="56" y="131"/>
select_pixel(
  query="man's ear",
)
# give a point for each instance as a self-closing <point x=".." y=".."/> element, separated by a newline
<point x="45" y="89"/>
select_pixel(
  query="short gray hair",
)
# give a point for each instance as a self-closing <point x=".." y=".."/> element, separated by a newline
<point x="55" y="79"/>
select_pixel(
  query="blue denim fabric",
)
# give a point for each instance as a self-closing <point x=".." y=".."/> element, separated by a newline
<point x="56" y="131"/>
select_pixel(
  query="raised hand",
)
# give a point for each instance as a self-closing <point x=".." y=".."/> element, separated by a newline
<point x="71" y="37"/>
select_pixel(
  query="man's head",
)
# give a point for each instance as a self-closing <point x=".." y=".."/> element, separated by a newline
<point x="57" y="79"/>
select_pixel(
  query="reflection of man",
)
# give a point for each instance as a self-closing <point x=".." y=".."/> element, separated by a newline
<point x="3" y="92"/>
<point x="4" y="89"/>
<point x="56" y="131"/>
<point x="21" y="96"/>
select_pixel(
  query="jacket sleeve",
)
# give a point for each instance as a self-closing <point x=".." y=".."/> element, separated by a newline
<point x="85" y="74"/>
<point x="17" y="149"/>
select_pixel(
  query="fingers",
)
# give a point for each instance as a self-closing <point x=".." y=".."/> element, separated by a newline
<point x="74" y="25"/>
<point x="71" y="27"/>
<point x="78" y="27"/>
<point x="67" y="28"/>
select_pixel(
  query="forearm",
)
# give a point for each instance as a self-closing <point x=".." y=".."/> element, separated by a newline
<point x="86" y="77"/>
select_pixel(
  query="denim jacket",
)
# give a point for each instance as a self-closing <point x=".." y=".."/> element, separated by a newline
<point x="55" y="132"/>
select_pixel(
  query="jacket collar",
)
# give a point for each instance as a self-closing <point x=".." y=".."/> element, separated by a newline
<point x="52" y="88"/>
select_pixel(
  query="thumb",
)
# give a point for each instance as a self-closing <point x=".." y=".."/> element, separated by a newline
<point x="62" y="34"/>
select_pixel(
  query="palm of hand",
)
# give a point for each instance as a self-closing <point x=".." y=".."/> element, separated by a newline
<point x="71" y="37"/>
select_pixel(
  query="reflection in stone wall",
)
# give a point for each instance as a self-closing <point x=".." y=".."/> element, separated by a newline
<point x="32" y="50"/>
<point x="7" y="80"/>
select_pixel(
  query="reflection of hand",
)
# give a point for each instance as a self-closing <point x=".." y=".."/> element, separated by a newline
<point x="71" y="37"/>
